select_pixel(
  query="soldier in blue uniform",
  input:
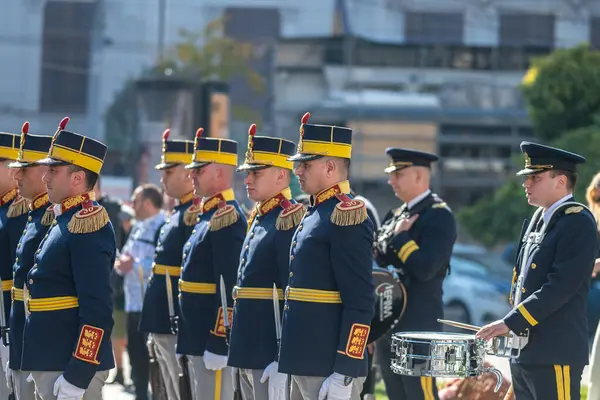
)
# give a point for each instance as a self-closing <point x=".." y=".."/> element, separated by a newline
<point x="156" y="315"/>
<point x="211" y="254"/>
<point x="551" y="280"/>
<point x="66" y="339"/>
<point x="417" y="240"/>
<point x="31" y="187"/>
<point x="330" y="294"/>
<point x="264" y="262"/>
<point x="12" y="222"/>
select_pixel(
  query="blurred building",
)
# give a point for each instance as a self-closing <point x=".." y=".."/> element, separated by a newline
<point x="434" y="74"/>
<point x="439" y="76"/>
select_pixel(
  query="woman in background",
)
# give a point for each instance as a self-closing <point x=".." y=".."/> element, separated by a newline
<point x="593" y="199"/>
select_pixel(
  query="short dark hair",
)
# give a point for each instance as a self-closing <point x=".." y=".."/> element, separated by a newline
<point x="150" y="191"/>
<point x="571" y="177"/>
<point x="90" y="177"/>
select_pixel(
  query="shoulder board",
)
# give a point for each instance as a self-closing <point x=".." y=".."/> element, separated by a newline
<point x="225" y="216"/>
<point x="573" y="210"/>
<point x="48" y="216"/>
<point x="440" y="205"/>
<point x="190" y="216"/>
<point x="348" y="211"/>
<point x="88" y="220"/>
<point x="18" y="207"/>
<point x="290" y="217"/>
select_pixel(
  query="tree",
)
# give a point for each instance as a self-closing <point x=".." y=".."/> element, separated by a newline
<point x="498" y="218"/>
<point x="199" y="56"/>
<point x="562" y="91"/>
<point x="208" y="54"/>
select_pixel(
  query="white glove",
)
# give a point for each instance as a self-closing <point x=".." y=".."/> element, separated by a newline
<point x="64" y="390"/>
<point x="336" y="387"/>
<point x="9" y="378"/>
<point x="214" y="362"/>
<point x="277" y="381"/>
<point x="4" y="354"/>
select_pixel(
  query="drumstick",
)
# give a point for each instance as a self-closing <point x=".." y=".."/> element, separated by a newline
<point x="462" y="325"/>
<point x="509" y="393"/>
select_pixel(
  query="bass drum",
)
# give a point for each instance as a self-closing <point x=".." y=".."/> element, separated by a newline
<point x="390" y="302"/>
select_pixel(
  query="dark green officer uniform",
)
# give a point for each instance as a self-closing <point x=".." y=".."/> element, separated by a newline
<point x="330" y="293"/>
<point x="557" y="251"/>
<point x="39" y="217"/>
<point x="422" y="255"/>
<point x="68" y="301"/>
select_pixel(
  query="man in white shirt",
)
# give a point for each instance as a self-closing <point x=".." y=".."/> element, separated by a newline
<point x="135" y="265"/>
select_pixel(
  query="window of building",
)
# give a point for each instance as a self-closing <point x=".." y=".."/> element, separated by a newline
<point x="520" y="29"/>
<point x="67" y="40"/>
<point x="434" y="27"/>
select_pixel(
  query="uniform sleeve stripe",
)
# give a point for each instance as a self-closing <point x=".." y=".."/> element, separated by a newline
<point x="560" y="387"/>
<point x="532" y="321"/>
<point x="406" y="250"/>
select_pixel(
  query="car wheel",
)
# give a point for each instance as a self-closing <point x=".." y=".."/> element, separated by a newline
<point x="456" y="311"/>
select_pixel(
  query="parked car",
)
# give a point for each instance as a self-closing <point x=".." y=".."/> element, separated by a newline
<point x="476" y="290"/>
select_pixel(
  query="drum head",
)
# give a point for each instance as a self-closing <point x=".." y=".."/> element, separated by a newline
<point x="390" y="303"/>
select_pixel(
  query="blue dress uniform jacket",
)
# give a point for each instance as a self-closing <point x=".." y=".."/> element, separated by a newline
<point x="554" y="295"/>
<point x="13" y="217"/>
<point x="264" y="261"/>
<point x="212" y="251"/>
<point x="423" y="255"/>
<point x="38" y="221"/>
<point x="171" y="239"/>
<point x="330" y="297"/>
<point x="69" y="304"/>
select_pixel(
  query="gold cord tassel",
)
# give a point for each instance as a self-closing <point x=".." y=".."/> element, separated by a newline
<point x="290" y="218"/>
<point x="48" y="217"/>
<point x="251" y="217"/>
<point x="352" y="213"/>
<point x="224" y="217"/>
<point x="191" y="215"/>
<point x="88" y="220"/>
<point x="18" y="207"/>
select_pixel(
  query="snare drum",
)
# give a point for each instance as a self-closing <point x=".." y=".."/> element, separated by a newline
<point x="440" y="355"/>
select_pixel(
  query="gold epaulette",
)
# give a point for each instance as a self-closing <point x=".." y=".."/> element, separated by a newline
<point x="48" y="216"/>
<point x="349" y="211"/>
<point x="290" y="217"/>
<point x="439" y="205"/>
<point x="190" y="216"/>
<point x="18" y="207"/>
<point x="225" y="216"/>
<point x="88" y="220"/>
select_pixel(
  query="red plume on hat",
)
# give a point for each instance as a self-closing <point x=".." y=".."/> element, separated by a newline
<point x="304" y="120"/>
<point x="251" y="133"/>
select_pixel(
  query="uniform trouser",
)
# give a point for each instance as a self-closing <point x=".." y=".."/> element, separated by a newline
<point x="250" y="385"/>
<point x="44" y="385"/>
<point x="308" y="387"/>
<point x="401" y="387"/>
<point x="23" y="390"/>
<point x="207" y="384"/>
<point x="138" y="356"/>
<point x="594" y="382"/>
<point x="167" y="361"/>
<point x="546" y="382"/>
<point x="3" y="388"/>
